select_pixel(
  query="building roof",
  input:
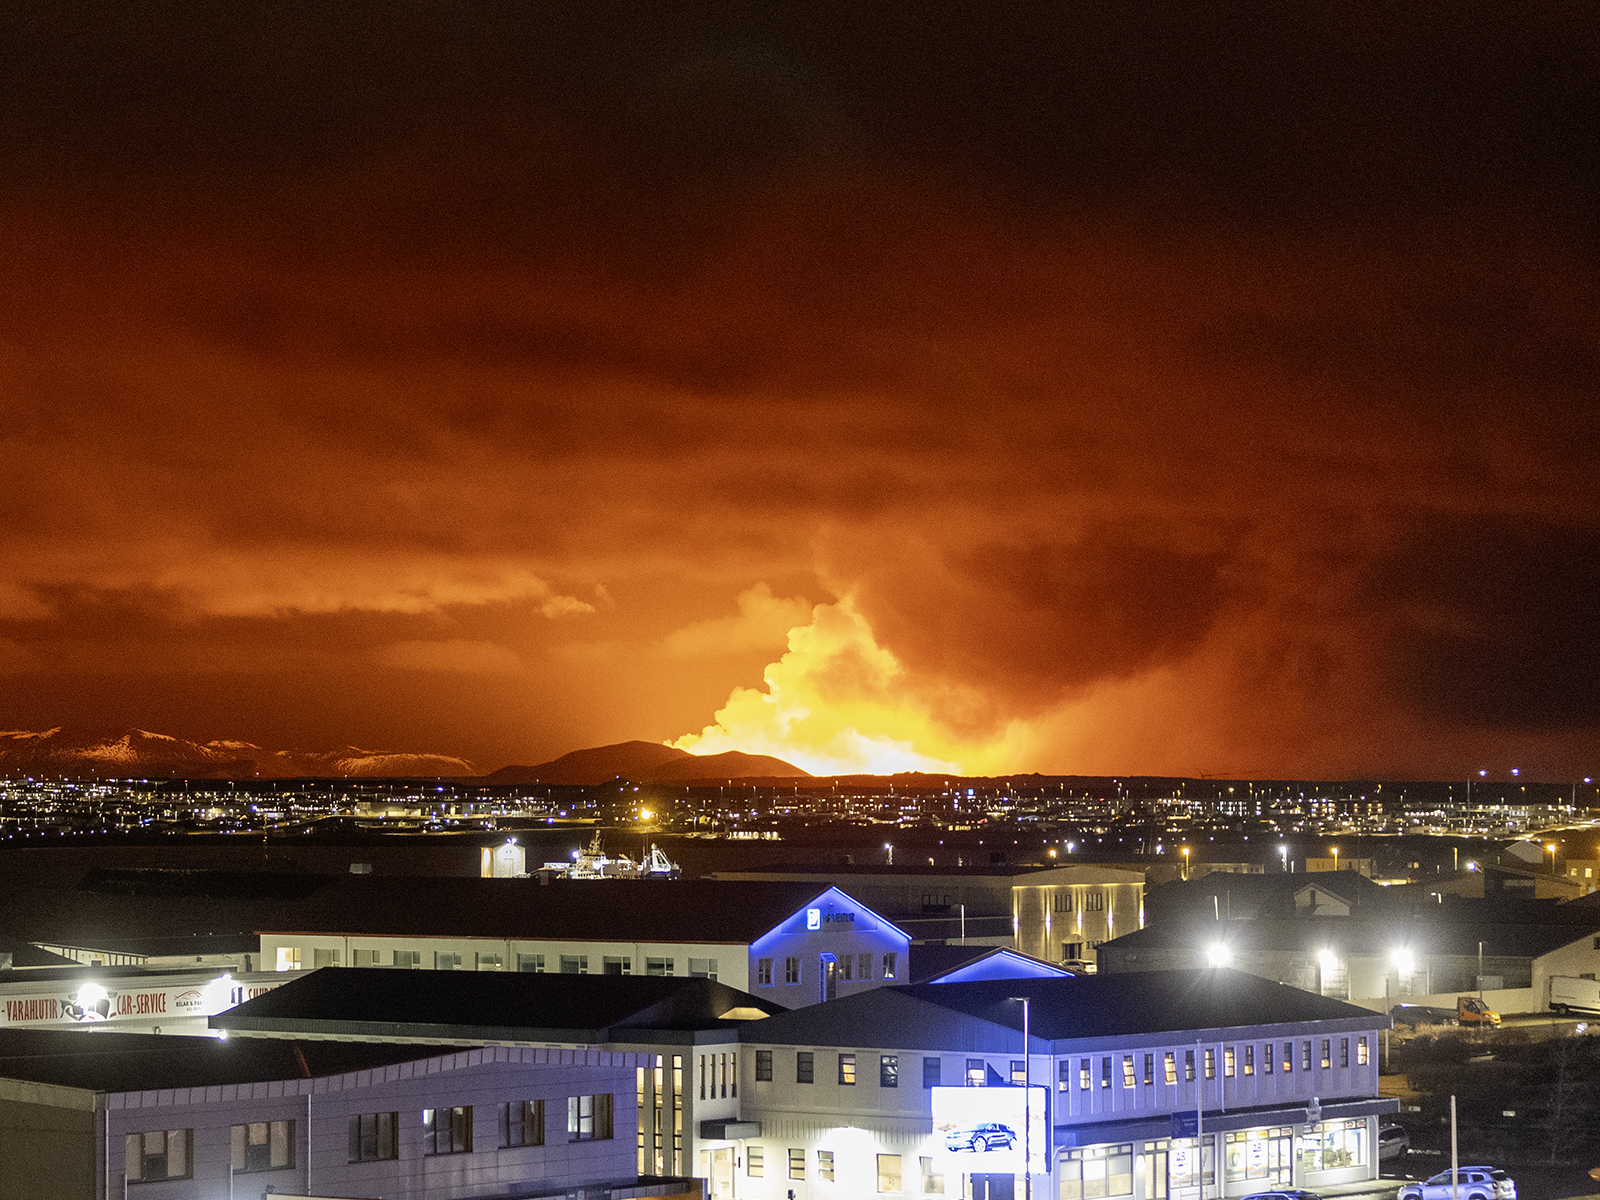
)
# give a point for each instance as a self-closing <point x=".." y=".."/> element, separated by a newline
<point x="16" y="954"/>
<point x="128" y="1062"/>
<point x="1354" y="935"/>
<point x="587" y="911"/>
<point x="1240" y="897"/>
<point x="931" y="963"/>
<point x="995" y="873"/>
<point x="986" y="1015"/>
<point x="493" y="1005"/>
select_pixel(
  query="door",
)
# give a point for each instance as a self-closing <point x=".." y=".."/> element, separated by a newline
<point x="829" y="977"/>
<point x="722" y="1174"/>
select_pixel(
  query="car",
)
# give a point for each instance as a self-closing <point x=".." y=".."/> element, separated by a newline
<point x="1474" y="1183"/>
<point x="1393" y="1141"/>
<point x="981" y="1138"/>
<point x="1282" y="1194"/>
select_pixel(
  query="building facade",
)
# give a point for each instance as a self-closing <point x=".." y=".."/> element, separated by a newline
<point x="848" y="1098"/>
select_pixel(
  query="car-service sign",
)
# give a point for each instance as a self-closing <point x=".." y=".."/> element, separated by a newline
<point x="980" y="1129"/>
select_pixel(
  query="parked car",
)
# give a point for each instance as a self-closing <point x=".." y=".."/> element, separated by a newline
<point x="1282" y="1194"/>
<point x="981" y="1138"/>
<point x="1393" y="1141"/>
<point x="1475" y="1183"/>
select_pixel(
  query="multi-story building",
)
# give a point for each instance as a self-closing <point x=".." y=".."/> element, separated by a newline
<point x="178" y="1118"/>
<point x="1146" y="1083"/>
<point x="1059" y="914"/>
<point x="796" y="943"/>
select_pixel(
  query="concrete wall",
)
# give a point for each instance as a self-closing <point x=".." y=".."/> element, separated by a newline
<point x="47" y="1143"/>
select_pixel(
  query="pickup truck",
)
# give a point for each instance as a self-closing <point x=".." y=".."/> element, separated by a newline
<point x="1567" y="994"/>
<point x="1469" y="1010"/>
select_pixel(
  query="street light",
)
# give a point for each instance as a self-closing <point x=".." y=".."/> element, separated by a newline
<point x="1186" y="853"/>
<point x="1335" y="857"/>
<point x="1218" y="955"/>
<point x="1027" y="1102"/>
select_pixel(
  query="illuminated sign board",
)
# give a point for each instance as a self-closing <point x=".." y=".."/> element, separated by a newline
<point x="92" y="1002"/>
<point x="980" y="1129"/>
<point x="813" y="918"/>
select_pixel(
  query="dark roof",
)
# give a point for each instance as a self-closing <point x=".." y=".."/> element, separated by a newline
<point x="128" y="1062"/>
<point x="879" y="870"/>
<point x="593" y="911"/>
<point x="506" y="1006"/>
<point x="956" y="1015"/>
<point x="1241" y="896"/>
<point x="928" y="960"/>
<point x="26" y="955"/>
<point x="1352" y="935"/>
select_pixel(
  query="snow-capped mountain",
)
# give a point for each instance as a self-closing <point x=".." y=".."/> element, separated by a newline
<point x="87" y="753"/>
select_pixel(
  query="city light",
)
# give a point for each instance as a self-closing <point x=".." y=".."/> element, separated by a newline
<point x="1218" y="955"/>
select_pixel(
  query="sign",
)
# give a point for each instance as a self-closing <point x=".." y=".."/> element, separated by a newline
<point x="813" y="918"/>
<point x="93" y="1002"/>
<point x="981" y="1129"/>
<point x="1185" y="1124"/>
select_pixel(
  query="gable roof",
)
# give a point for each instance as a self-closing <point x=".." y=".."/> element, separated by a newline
<point x="607" y="910"/>
<point x="986" y="1014"/>
<point x="490" y="1005"/>
<point x="948" y="964"/>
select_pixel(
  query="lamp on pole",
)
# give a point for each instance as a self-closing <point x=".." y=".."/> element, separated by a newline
<point x="1335" y="850"/>
<point x="1027" y="1101"/>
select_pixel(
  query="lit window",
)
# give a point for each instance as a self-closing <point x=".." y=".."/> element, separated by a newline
<point x="263" y="1146"/>
<point x="159" y="1154"/>
<point x="825" y="1165"/>
<point x="797" y="1163"/>
<point x="522" y="1123"/>
<point x="755" y="1161"/>
<point x="847" y="1070"/>
<point x="891" y="969"/>
<point x="1361" y="1052"/>
<point x="1171" y="1065"/>
<point x="447" y="1130"/>
<point x="889" y="1070"/>
<point x="589" y="1117"/>
<point x="975" y="1072"/>
<point x="1127" y="1070"/>
<point x="889" y="1173"/>
<point x="1227" y="1063"/>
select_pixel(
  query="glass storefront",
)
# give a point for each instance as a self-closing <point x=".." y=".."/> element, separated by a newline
<point x="1095" y="1172"/>
<point x="1261" y="1157"/>
<point x="1334" y="1145"/>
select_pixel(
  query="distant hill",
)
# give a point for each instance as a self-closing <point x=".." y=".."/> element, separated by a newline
<point x="646" y="762"/>
<point x="630" y="760"/>
<point x="85" y="753"/>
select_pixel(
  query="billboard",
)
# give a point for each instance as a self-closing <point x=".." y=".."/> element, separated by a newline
<point x="980" y="1129"/>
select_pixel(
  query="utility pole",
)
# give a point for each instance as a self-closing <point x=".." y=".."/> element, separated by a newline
<point x="1027" y="1102"/>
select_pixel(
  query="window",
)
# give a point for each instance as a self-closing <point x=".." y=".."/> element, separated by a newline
<point x="847" y="967"/>
<point x="763" y="972"/>
<point x="1266" y="1059"/>
<point x="891" y="964"/>
<point x="1062" y="902"/>
<point x="702" y="968"/>
<point x="1327" y="1053"/>
<point x="932" y="1177"/>
<point x="1361" y="1052"/>
<point x="522" y="1123"/>
<point x="1063" y="1074"/>
<point x="791" y="970"/>
<point x="1170" y="1066"/>
<point x="1083" y="1074"/>
<point x="363" y="958"/>
<point x="446" y="960"/>
<point x="1094" y="901"/>
<point x="409" y="958"/>
<point x="1019" y="1072"/>
<point x="755" y="1161"/>
<point x="763" y="1066"/>
<point x="1344" y="1052"/>
<point x="797" y="1163"/>
<point x="889" y="1173"/>
<point x="864" y="967"/>
<point x="1149" y="1069"/>
<point x="525" y="962"/>
<point x="658" y="966"/>
<point x="825" y="1165"/>
<point x="325" y="958"/>
<point x="1096" y="1171"/>
<point x="1305" y="1055"/>
<point x="1127" y="1071"/>
<point x="574" y="964"/>
<point x="159" y="1154"/>
<point x="1227" y="1063"/>
<point x="1288" y="1057"/>
<point x="804" y="1067"/>
<point x="489" y="962"/>
<point x="1211" y="1063"/>
<point x="289" y="960"/>
<point x="847" y="1070"/>
<point x="932" y="1068"/>
<point x="616" y="966"/>
<point x="372" y="1136"/>
<point x="1249" y="1060"/>
<point x="975" y="1072"/>
<point x="889" y="1070"/>
<point x="589" y="1117"/>
<point x="1188" y="1066"/>
<point x="263" y="1146"/>
<point x="1105" y="1072"/>
<point x="447" y="1130"/>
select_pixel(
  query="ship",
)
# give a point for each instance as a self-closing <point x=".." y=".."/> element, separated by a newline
<point x="593" y="862"/>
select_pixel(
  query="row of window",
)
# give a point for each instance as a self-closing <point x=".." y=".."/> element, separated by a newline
<point x="890" y="1174"/>
<point x="851" y="968"/>
<point x="1235" y="1061"/>
<point x="978" y="1072"/>
<point x="720" y="1074"/>
<point x="1087" y="902"/>
<point x="375" y="1136"/>
<point x="291" y="958"/>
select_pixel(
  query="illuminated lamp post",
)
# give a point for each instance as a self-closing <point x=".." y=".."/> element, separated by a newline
<point x="1335" y="858"/>
<point x="1186" y="852"/>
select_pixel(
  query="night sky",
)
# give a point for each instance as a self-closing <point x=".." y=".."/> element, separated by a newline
<point x="1165" y="388"/>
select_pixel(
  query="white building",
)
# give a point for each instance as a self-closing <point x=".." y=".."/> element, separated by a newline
<point x="797" y="943"/>
<point x="845" y="1098"/>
